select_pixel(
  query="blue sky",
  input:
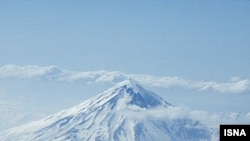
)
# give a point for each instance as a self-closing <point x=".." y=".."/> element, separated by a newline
<point x="193" y="40"/>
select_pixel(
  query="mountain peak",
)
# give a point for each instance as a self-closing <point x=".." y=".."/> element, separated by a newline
<point x="129" y="92"/>
<point x="111" y="116"/>
<point x="128" y="82"/>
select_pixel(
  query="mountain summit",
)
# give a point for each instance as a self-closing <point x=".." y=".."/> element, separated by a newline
<point x="125" y="112"/>
<point x="129" y="93"/>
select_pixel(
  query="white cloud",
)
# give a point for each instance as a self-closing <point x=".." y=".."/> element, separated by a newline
<point x="211" y="120"/>
<point x="235" y="85"/>
<point x="30" y="71"/>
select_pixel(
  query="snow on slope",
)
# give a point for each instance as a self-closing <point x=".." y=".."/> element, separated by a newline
<point x="125" y="112"/>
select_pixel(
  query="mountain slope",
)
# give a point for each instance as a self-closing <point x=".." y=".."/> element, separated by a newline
<point x="125" y="112"/>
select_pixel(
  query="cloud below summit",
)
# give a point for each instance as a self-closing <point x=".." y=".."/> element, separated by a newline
<point x="235" y="85"/>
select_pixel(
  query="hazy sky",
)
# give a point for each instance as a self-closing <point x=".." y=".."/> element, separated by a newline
<point x="194" y="39"/>
<point x="203" y="43"/>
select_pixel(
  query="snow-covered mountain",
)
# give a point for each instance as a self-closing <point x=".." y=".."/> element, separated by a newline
<point x="125" y="112"/>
